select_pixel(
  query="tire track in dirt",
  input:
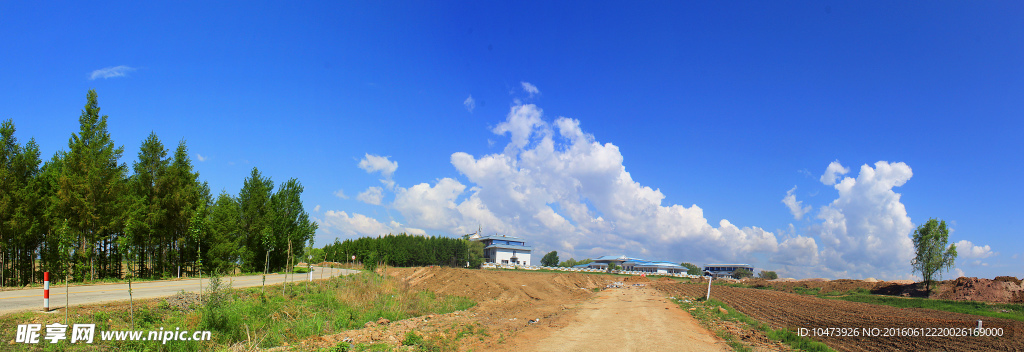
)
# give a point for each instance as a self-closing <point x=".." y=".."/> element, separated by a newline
<point x="626" y="319"/>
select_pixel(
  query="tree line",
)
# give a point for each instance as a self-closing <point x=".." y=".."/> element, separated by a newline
<point x="87" y="215"/>
<point x="406" y="250"/>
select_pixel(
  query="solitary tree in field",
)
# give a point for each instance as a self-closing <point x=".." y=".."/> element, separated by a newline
<point x="933" y="256"/>
<point x="550" y="259"/>
<point x="768" y="275"/>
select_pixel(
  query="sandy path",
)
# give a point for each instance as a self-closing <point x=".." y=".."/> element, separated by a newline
<point x="627" y="319"/>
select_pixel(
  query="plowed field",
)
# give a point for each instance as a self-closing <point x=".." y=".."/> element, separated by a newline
<point x="793" y="311"/>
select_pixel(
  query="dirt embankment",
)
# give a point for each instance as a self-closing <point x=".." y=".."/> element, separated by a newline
<point x="794" y="311"/>
<point x="1003" y="289"/>
<point x="507" y="303"/>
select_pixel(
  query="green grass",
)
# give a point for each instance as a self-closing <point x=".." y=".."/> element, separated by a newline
<point x="271" y="318"/>
<point x="707" y="312"/>
<point x="1012" y="311"/>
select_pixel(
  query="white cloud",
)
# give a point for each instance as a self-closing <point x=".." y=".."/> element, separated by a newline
<point x="520" y="126"/>
<point x="373" y="163"/>
<point x="110" y="72"/>
<point x="529" y="88"/>
<point x="957" y="273"/>
<point x="832" y="173"/>
<point x="359" y="225"/>
<point x="356" y="225"/>
<point x="795" y="205"/>
<point x="967" y="250"/>
<point x="316" y="209"/>
<point x="561" y="189"/>
<point x="372" y="195"/>
<point x="340" y="194"/>
<point x="866" y="231"/>
<point x="201" y="158"/>
<point x="469" y="103"/>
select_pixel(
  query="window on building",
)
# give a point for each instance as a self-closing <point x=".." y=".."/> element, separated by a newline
<point x="504" y="262"/>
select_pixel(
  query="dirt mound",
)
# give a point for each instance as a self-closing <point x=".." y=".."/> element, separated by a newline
<point x="815" y="280"/>
<point x="1010" y="279"/>
<point x="637" y="279"/>
<point x="1004" y="289"/>
<point x="665" y="279"/>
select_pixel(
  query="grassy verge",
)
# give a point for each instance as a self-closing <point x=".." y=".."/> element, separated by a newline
<point x="1005" y="311"/>
<point x="441" y="341"/>
<point x="250" y="317"/>
<point x="709" y="314"/>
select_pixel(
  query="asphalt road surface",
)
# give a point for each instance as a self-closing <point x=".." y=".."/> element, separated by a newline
<point x="32" y="299"/>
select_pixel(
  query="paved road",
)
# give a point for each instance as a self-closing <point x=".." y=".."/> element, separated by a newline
<point x="32" y="299"/>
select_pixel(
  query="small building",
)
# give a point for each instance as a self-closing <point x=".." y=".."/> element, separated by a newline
<point x="723" y="270"/>
<point x="507" y="250"/>
<point x="628" y="264"/>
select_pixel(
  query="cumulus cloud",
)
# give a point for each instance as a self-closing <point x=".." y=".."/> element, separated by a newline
<point x="358" y="225"/>
<point x="967" y="250"/>
<point x="832" y="173"/>
<point x="374" y="163"/>
<point x="201" y="158"/>
<point x="111" y="72"/>
<point x="340" y="194"/>
<point x="316" y="208"/>
<point x="795" y="206"/>
<point x="469" y="103"/>
<point x="957" y="273"/>
<point x="866" y="231"/>
<point x="560" y="188"/>
<point x="372" y="195"/>
<point x="529" y="88"/>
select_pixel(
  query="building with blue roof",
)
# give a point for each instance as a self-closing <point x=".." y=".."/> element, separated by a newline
<point x="635" y="264"/>
<point x="506" y="250"/>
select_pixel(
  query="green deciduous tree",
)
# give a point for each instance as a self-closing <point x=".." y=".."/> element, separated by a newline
<point x="768" y="275"/>
<point x="742" y="273"/>
<point x="550" y="259"/>
<point x="692" y="269"/>
<point x="932" y="254"/>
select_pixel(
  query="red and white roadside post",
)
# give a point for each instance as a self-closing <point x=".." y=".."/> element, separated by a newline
<point x="46" y="291"/>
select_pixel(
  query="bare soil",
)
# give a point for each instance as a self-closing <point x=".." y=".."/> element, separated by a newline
<point x="633" y="318"/>
<point x="793" y="311"/>
<point x="537" y="311"/>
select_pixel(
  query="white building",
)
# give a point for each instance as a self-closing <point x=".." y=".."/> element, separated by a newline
<point x="506" y="250"/>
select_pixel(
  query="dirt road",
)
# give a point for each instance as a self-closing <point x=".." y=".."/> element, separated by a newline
<point x="32" y="299"/>
<point x="629" y="319"/>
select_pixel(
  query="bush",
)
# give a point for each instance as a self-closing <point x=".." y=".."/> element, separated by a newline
<point x="768" y="275"/>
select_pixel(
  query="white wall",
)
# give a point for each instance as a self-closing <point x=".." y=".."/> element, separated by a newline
<point x="506" y="254"/>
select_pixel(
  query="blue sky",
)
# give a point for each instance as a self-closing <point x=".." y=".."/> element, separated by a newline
<point x="677" y="116"/>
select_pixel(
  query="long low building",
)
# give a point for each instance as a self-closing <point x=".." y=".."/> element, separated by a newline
<point x="636" y="264"/>
<point x="723" y="270"/>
